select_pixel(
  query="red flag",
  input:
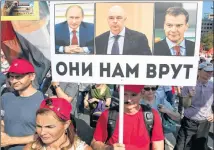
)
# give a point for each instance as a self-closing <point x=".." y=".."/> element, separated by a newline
<point x="9" y="42"/>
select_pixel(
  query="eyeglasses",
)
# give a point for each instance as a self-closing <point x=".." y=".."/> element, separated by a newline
<point x="150" y="88"/>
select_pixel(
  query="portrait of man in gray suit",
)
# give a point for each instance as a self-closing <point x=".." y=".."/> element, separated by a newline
<point x="121" y="40"/>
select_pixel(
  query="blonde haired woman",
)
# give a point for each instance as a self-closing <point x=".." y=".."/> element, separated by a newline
<point x="54" y="127"/>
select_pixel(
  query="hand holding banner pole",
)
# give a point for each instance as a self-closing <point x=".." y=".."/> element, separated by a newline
<point x="121" y="113"/>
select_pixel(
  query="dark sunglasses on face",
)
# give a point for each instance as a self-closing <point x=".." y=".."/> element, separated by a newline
<point x="150" y="88"/>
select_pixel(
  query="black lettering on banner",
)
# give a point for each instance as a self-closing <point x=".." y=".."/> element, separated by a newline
<point x="151" y="71"/>
<point x="118" y="71"/>
<point x="164" y="69"/>
<point x="74" y="68"/>
<point x="102" y="69"/>
<point x="64" y="66"/>
<point x="86" y="69"/>
<point x="176" y="70"/>
<point x="187" y="70"/>
<point x="135" y="70"/>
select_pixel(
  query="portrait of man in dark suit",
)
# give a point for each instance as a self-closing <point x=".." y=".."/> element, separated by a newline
<point x="174" y="43"/>
<point x="121" y="40"/>
<point x="74" y="36"/>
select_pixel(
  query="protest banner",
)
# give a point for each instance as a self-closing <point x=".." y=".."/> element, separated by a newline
<point x="144" y="53"/>
<point x="137" y="66"/>
<point x="19" y="10"/>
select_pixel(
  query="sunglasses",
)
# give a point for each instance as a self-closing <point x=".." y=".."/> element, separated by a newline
<point x="150" y="88"/>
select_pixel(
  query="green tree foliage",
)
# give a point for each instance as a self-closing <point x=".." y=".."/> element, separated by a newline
<point x="207" y="40"/>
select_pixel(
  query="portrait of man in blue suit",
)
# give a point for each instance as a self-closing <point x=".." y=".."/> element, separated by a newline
<point x="74" y="36"/>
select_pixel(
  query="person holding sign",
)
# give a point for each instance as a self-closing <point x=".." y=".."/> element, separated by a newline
<point x="74" y="36"/>
<point x="136" y="133"/>
<point x="198" y="113"/>
<point x="121" y="40"/>
<point x="175" y="25"/>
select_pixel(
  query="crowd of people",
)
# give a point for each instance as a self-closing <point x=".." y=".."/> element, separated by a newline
<point x="79" y="116"/>
<point x="32" y="119"/>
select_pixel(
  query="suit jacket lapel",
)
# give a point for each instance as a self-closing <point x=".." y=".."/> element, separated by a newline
<point x="105" y="42"/>
<point x="66" y="33"/>
<point x="82" y="35"/>
<point x="127" y="42"/>
<point x="188" y="51"/>
<point x="166" y="48"/>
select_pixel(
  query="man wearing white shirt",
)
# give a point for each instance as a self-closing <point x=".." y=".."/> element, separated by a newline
<point x="121" y="40"/>
<point x="175" y="25"/>
<point x="74" y="36"/>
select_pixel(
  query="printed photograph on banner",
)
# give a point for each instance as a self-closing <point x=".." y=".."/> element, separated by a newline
<point x="19" y="10"/>
<point x="124" y="28"/>
<point x="175" y="29"/>
<point x="74" y="28"/>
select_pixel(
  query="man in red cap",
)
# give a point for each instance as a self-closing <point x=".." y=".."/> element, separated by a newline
<point x="20" y="106"/>
<point x="135" y="135"/>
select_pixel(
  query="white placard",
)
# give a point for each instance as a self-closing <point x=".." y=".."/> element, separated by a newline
<point x="148" y="70"/>
<point x="126" y="69"/>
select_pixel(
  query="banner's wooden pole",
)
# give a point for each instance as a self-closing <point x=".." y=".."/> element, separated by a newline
<point x="121" y="114"/>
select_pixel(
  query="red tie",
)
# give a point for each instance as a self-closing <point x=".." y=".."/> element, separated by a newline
<point x="74" y="40"/>
<point x="177" y="50"/>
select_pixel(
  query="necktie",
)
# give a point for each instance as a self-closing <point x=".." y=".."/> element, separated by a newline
<point x="177" y="49"/>
<point x="115" y="47"/>
<point x="74" y="40"/>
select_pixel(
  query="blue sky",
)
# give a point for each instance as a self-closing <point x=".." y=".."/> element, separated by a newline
<point x="207" y="7"/>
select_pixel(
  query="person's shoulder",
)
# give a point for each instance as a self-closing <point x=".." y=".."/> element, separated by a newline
<point x="87" y="24"/>
<point x="61" y="24"/>
<point x="101" y="36"/>
<point x="81" y="145"/>
<point x="160" y="42"/>
<point x="8" y="95"/>
<point x="134" y="32"/>
<point x="155" y="112"/>
<point x="39" y="95"/>
<point x="210" y="84"/>
<point x="189" y="43"/>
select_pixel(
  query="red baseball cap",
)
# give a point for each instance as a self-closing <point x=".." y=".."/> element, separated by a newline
<point x="60" y="106"/>
<point x="133" y="88"/>
<point x="21" y="66"/>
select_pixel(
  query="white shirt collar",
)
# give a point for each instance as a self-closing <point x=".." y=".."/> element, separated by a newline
<point x="172" y="44"/>
<point x="70" y="30"/>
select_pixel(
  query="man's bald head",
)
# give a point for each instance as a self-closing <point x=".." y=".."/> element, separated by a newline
<point x="117" y="10"/>
<point x="116" y="19"/>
